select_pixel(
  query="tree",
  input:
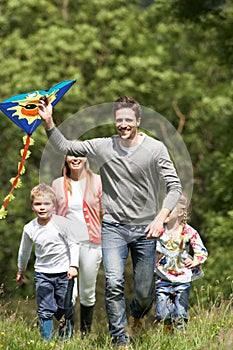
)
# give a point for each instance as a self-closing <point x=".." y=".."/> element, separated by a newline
<point x="172" y="57"/>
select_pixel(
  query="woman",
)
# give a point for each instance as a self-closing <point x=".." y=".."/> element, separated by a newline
<point x="79" y="198"/>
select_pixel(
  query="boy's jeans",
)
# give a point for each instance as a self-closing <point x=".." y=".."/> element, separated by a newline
<point x="117" y="240"/>
<point x="172" y="302"/>
<point x="54" y="295"/>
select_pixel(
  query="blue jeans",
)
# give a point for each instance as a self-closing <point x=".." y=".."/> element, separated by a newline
<point x="117" y="240"/>
<point x="172" y="302"/>
<point x="54" y="295"/>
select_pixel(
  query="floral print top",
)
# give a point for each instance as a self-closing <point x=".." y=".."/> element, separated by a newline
<point x="171" y="253"/>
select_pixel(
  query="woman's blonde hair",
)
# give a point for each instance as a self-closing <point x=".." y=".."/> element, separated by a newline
<point x="66" y="174"/>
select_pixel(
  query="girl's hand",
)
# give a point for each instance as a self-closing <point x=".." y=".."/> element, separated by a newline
<point x="190" y="263"/>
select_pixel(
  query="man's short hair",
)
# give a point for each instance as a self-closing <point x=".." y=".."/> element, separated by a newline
<point x="128" y="102"/>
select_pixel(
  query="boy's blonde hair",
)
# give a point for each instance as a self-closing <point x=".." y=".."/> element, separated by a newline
<point x="41" y="190"/>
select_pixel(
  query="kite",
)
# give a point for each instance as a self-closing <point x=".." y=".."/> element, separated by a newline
<point x="23" y="111"/>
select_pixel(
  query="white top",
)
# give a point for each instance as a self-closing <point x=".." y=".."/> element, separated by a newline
<point x="54" y="249"/>
<point x="75" y="211"/>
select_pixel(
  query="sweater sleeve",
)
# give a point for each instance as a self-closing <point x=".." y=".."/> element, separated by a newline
<point x="171" y="180"/>
<point x="64" y="146"/>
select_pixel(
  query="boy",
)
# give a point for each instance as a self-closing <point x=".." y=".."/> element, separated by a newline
<point x="56" y="262"/>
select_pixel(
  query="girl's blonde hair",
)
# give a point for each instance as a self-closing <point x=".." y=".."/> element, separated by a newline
<point x="183" y="204"/>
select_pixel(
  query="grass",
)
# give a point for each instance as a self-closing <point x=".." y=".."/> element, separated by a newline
<point x="210" y="328"/>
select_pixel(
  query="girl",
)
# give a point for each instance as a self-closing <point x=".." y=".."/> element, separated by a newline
<point x="175" y="267"/>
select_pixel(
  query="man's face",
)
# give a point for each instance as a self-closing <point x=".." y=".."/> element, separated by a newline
<point x="43" y="207"/>
<point x="126" y="124"/>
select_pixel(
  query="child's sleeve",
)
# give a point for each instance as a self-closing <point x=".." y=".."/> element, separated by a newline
<point x="74" y="250"/>
<point x="200" y="251"/>
<point x="24" y="251"/>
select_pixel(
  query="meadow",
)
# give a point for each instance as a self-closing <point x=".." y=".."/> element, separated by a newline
<point x="210" y="327"/>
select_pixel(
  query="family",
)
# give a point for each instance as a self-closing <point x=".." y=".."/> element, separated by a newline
<point x="84" y="219"/>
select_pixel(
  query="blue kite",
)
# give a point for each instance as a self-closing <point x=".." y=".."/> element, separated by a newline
<point x="23" y="111"/>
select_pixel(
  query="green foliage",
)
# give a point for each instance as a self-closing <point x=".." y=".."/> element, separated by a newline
<point x="173" y="56"/>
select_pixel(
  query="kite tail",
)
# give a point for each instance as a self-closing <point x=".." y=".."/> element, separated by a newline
<point x="15" y="180"/>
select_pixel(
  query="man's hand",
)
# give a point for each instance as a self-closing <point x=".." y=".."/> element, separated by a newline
<point x="72" y="272"/>
<point x="155" y="228"/>
<point x="45" y="110"/>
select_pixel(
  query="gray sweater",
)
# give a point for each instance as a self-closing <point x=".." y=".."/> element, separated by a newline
<point x="131" y="179"/>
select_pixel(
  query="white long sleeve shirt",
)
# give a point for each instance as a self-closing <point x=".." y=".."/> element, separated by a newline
<point x="54" y="249"/>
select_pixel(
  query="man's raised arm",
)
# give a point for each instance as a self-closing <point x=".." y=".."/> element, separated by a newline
<point x="45" y="110"/>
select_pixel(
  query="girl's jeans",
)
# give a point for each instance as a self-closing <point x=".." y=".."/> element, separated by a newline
<point x="54" y="295"/>
<point x="117" y="240"/>
<point x="172" y="302"/>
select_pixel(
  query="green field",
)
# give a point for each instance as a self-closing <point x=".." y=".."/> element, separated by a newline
<point x="209" y="328"/>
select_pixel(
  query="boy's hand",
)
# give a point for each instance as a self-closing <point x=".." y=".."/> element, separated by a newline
<point x="72" y="272"/>
<point x="20" y="277"/>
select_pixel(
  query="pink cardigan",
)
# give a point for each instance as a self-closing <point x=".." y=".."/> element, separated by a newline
<point x="92" y="205"/>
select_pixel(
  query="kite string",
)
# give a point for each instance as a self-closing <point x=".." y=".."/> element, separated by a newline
<point x="20" y="167"/>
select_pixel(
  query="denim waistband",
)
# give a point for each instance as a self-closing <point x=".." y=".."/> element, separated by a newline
<point x="130" y="227"/>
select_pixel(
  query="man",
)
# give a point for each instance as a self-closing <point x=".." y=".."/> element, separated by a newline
<point x="131" y="165"/>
